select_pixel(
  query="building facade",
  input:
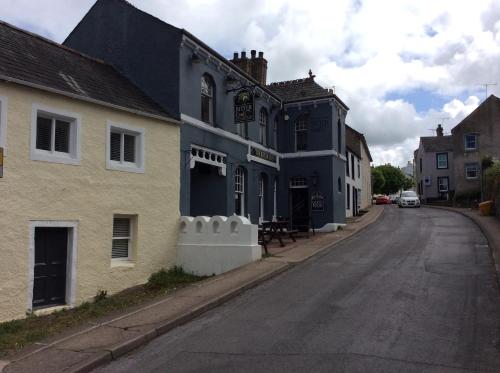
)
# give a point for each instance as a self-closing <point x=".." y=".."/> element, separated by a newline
<point x="434" y="176"/>
<point x="247" y="147"/>
<point x="475" y="137"/>
<point x="88" y="201"/>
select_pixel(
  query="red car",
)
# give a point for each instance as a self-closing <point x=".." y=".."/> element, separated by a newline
<point x="383" y="200"/>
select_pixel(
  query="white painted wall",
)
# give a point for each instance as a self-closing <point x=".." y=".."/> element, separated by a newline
<point x="356" y="182"/>
<point x="216" y="245"/>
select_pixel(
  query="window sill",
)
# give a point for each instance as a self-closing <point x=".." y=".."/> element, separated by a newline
<point x="115" y="263"/>
<point x="52" y="158"/>
<point x="116" y="166"/>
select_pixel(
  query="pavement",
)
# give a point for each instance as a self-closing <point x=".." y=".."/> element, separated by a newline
<point x="100" y="342"/>
<point x="413" y="292"/>
<point x="489" y="225"/>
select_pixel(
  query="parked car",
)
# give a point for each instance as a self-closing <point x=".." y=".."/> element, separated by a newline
<point x="383" y="200"/>
<point x="394" y="198"/>
<point x="409" y="198"/>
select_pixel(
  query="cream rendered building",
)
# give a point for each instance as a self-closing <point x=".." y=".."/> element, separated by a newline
<point x="90" y="186"/>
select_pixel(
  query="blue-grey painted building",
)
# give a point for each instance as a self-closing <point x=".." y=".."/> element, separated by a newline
<point x="288" y="160"/>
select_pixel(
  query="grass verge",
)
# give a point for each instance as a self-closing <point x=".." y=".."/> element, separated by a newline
<point x="17" y="334"/>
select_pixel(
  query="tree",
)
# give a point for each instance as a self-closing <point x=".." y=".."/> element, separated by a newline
<point x="378" y="180"/>
<point x="408" y="183"/>
<point x="395" y="180"/>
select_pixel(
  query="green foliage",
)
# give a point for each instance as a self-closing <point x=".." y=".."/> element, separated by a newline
<point x="492" y="181"/>
<point x="395" y="179"/>
<point x="100" y="296"/>
<point x="408" y="183"/>
<point x="175" y="275"/>
<point x="378" y="181"/>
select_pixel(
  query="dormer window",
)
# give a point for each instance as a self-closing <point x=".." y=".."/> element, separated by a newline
<point x="207" y="101"/>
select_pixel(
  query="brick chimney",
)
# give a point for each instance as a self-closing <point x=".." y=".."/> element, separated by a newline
<point x="439" y="130"/>
<point x="256" y="66"/>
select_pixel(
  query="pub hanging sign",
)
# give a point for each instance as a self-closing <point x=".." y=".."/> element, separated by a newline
<point x="244" y="106"/>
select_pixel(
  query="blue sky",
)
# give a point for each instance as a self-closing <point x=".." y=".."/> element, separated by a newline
<point x="399" y="66"/>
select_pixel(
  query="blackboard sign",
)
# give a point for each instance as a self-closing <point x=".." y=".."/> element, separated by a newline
<point x="244" y="106"/>
<point x="317" y="202"/>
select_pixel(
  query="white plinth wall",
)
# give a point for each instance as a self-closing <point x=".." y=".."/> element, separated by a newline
<point x="216" y="245"/>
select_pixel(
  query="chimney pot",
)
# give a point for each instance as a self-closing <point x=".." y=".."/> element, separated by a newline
<point x="243" y="55"/>
<point x="235" y="55"/>
<point x="261" y="54"/>
<point x="253" y="52"/>
<point x="439" y="130"/>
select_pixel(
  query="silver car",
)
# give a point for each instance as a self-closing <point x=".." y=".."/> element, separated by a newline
<point x="409" y="198"/>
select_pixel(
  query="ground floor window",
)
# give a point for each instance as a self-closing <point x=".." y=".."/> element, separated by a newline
<point x="348" y="196"/>
<point x="442" y="184"/>
<point x="261" y="198"/>
<point x="122" y="235"/>
<point x="472" y="171"/>
<point x="239" y="191"/>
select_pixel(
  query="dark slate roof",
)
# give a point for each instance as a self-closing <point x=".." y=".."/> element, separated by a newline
<point x="302" y="90"/>
<point x="29" y="59"/>
<point x="354" y="140"/>
<point x="437" y="143"/>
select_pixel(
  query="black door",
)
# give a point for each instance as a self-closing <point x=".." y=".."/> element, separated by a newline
<point x="49" y="285"/>
<point x="354" y="201"/>
<point x="299" y="200"/>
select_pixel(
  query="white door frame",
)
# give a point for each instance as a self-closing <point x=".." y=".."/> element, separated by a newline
<point x="70" y="261"/>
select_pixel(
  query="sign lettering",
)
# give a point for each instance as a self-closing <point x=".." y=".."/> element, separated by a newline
<point x="263" y="155"/>
<point x="244" y="106"/>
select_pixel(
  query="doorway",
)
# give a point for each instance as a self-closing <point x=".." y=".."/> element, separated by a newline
<point x="299" y="208"/>
<point x="50" y="266"/>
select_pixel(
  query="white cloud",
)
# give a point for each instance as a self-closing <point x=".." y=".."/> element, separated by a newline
<point x="365" y="48"/>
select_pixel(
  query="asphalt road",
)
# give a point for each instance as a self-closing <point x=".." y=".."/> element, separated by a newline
<point x="414" y="292"/>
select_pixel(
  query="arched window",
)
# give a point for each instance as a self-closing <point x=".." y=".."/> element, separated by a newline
<point x="263" y="127"/>
<point x="301" y="133"/>
<point x="239" y="191"/>
<point x="262" y="197"/>
<point x="207" y="99"/>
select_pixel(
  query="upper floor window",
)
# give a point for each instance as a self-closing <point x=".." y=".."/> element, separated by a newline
<point x="420" y="164"/>
<point x="263" y="127"/>
<point x="55" y="136"/>
<point x="470" y="142"/>
<point x="472" y="171"/>
<point x="359" y="170"/>
<point x="275" y="133"/>
<point x="301" y="133"/>
<point x="125" y="148"/>
<point x="352" y="167"/>
<point x="207" y="99"/>
<point x="442" y="160"/>
<point x="339" y="135"/>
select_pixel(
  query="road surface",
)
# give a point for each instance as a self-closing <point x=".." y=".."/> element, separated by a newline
<point x="414" y="292"/>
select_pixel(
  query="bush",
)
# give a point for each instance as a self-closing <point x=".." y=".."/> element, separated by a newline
<point x="163" y="278"/>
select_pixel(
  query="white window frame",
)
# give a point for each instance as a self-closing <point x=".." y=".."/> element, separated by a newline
<point x="438" y="166"/>
<point x="301" y="125"/>
<point x="261" y="199"/>
<point x="3" y="123"/>
<point x="239" y="179"/>
<point x="447" y="184"/>
<point x="139" y="165"/>
<point x="476" y="167"/>
<point x="475" y="141"/>
<point x="72" y="226"/>
<point x="73" y="157"/>
<point x="130" y="238"/>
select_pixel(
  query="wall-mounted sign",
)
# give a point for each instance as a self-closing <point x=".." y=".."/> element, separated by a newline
<point x="244" y="106"/>
<point x="262" y="154"/>
<point x="317" y="201"/>
<point x="1" y="162"/>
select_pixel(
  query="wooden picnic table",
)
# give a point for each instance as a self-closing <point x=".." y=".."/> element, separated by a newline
<point x="275" y="229"/>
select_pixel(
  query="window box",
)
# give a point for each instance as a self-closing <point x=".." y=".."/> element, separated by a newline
<point x="125" y="148"/>
<point x="55" y="136"/>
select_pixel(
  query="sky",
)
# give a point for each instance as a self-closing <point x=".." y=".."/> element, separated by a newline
<point x="401" y="66"/>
